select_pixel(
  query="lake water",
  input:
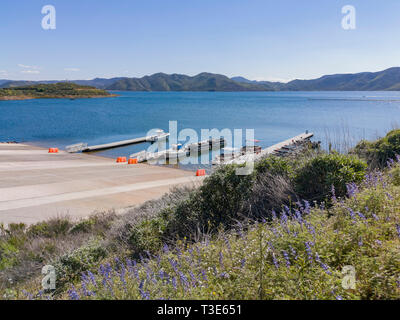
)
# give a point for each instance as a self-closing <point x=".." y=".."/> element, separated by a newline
<point x="341" y="117"/>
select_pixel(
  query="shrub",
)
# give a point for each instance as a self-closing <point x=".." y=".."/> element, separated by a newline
<point x="395" y="175"/>
<point x="315" y="179"/>
<point x="269" y="192"/>
<point x="275" y="166"/>
<point x="216" y="203"/>
<point x="147" y="236"/>
<point x="70" y="265"/>
<point x="96" y="224"/>
<point x="52" y="228"/>
<point x="378" y="153"/>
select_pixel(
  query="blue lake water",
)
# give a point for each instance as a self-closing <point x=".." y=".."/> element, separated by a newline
<point x="275" y="116"/>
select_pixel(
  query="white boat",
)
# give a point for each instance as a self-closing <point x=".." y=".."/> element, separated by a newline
<point x="175" y="152"/>
<point x="226" y="155"/>
<point x="160" y="135"/>
<point x="205" y="145"/>
<point x="76" y="147"/>
<point x="140" y="156"/>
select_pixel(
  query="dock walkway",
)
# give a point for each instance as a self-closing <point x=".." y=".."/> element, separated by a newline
<point x="272" y="149"/>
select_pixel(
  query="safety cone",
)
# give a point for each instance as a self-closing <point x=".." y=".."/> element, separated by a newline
<point x="121" y="159"/>
<point x="53" y="150"/>
<point x="200" y="172"/>
<point x="132" y="161"/>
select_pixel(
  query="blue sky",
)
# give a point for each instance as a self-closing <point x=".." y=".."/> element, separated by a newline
<point x="258" y="39"/>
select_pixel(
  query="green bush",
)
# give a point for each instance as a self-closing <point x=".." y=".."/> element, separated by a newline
<point x="216" y="203"/>
<point x="377" y="153"/>
<point x="148" y="235"/>
<point x="395" y="175"/>
<point x="8" y="255"/>
<point x="275" y="166"/>
<point x="314" y="180"/>
<point x="69" y="266"/>
<point x="50" y="229"/>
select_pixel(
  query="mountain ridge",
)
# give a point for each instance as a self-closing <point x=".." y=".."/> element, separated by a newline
<point x="386" y="80"/>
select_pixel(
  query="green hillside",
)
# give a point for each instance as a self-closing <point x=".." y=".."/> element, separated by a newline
<point x="57" y="90"/>
<point x="177" y="82"/>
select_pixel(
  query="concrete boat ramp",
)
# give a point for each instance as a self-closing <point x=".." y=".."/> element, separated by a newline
<point x="36" y="185"/>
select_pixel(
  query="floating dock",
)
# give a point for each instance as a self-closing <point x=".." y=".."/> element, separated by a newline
<point x="281" y="148"/>
<point x="83" y="147"/>
<point x="178" y="151"/>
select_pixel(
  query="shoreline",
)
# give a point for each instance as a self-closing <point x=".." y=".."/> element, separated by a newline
<point x="18" y="98"/>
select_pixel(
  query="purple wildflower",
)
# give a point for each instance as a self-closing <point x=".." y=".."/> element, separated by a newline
<point x="361" y="216"/>
<point x="129" y="265"/>
<point x="193" y="278"/>
<point x="309" y="251"/>
<point x="323" y="265"/>
<point x="227" y="243"/>
<point x="276" y="264"/>
<point x="352" y="215"/>
<point x="307" y="207"/>
<point x="284" y="217"/>
<point x="398" y="229"/>
<point x="360" y="242"/>
<point x="242" y="263"/>
<point x="183" y="279"/>
<point x="286" y="256"/>
<point x="221" y="259"/>
<point x="92" y="278"/>
<point x="28" y="294"/>
<point x="352" y="189"/>
<point x="294" y="253"/>
<point x="204" y="275"/>
<point x="165" y="248"/>
<point x="298" y="216"/>
<point x="73" y="295"/>
<point x="276" y="234"/>
<point x="310" y="228"/>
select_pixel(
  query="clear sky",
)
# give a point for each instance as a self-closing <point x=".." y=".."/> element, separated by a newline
<point x="257" y="39"/>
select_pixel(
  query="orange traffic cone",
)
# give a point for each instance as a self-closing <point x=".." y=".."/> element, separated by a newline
<point x="121" y="159"/>
<point x="53" y="150"/>
<point x="200" y="172"/>
<point x="132" y="161"/>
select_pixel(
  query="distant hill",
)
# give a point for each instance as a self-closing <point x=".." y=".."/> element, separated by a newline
<point x="178" y="82"/>
<point x="366" y="81"/>
<point x="99" y="83"/>
<point x="57" y="90"/>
